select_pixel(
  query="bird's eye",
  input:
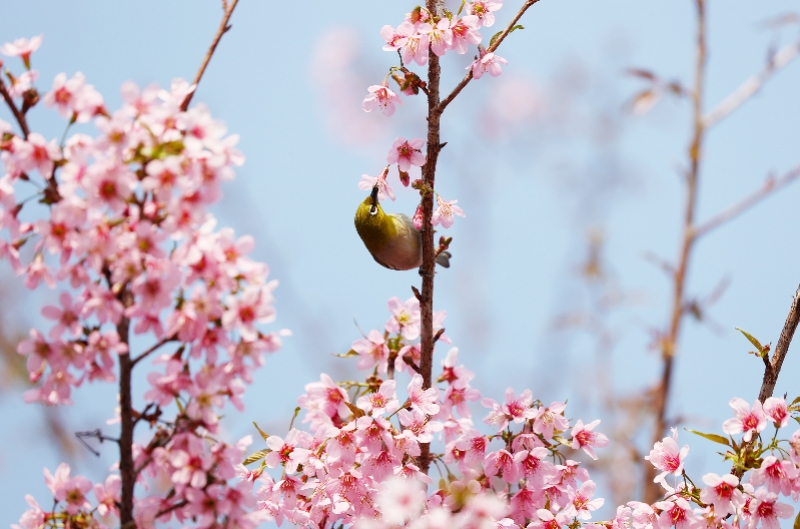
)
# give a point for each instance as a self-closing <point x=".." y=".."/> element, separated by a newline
<point x="373" y="210"/>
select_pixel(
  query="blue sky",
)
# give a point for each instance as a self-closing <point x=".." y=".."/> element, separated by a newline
<point x="564" y="158"/>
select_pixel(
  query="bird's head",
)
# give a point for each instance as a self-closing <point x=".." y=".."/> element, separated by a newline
<point x="372" y="223"/>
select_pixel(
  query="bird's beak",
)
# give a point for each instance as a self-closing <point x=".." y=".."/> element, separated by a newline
<point x="374" y="196"/>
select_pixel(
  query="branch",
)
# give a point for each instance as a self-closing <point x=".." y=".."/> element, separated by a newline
<point x="773" y="369"/>
<point x="770" y="186"/>
<point x="155" y="346"/>
<point x="223" y="28"/>
<point x="23" y="123"/>
<point x="467" y="78"/>
<point x="750" y="87"/>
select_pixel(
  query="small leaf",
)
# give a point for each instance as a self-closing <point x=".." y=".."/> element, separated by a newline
<point x="252" y="458"/>
<point x="795" y="401"/>
<point x="644" y="74"/>
<point x="644" y="101"/>
<point x="349" y="354"/>
<point x="461" y="7"/>
<point x="510" y="31"/>
<point x="752" y="340"/>
<point x="712" y="437"/>
<point x="264" y="434"/>
<point x="358" y="412"/>
<point x="796" y="521"/>
<point x="563" y="441"/>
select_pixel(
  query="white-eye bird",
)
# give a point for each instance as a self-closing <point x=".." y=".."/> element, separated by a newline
<point x="391" y="238"/>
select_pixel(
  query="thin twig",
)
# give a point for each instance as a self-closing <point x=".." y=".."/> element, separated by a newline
<point x="152" y="349"/>
<point x="770" y="186"/>
<point x="467" y="78"/>
<point x="772" y="371"/>
<point x="223" y="28"/>
<point x="23" y="123"/>
<point x="750" y="87"/>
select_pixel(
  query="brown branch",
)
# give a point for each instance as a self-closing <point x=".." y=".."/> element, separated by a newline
<point x="223" y="28"/>
<point x="23" y="123"/>
<point x="126" y="468"/>
<point x="670" y="340"/>
<point x="152" y="349"/>
<point x="750" y="87"/>
<point x="428" y="249"/>
<point x="773" y="369"/>
<point x="770" y="186"/>
<point x="467" y="78"/>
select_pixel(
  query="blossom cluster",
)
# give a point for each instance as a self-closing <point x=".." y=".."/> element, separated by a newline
<point x="423" y="32"/>
<point x="359" y="459"/>
<point x="727" y="500"/>
<point x="123" y="228"/>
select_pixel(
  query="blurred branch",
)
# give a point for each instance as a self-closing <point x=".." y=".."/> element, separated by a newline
<point x="23" y="123"/>
<point x="670" y="339"/>
<point x="750" y="87"/>
<point x="770" y="186"/>
<point x="773" y="369"/>
<point x="223" y="28"/>
<point x="467" y="78"/>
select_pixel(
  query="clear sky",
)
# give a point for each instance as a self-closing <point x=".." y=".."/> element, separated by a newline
<point x="539" y="158"/>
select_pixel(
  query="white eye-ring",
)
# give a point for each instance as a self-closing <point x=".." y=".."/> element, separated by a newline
<point x="373" y="210"/>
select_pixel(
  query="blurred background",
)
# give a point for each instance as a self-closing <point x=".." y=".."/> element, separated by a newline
<point x="572" y="186"/>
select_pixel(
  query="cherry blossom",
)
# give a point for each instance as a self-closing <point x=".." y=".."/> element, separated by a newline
<point x="445" y="211"/>
<point x="380" y="96"/>
<point x="747" y="420"/>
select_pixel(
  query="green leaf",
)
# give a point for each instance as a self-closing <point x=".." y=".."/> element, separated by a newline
<point x="252" y="458"/>
<point x="264" y="434"/>
<point x="461" y="7"/>
<point x="795" y="401"/>
<point x="752" y="340"/>
<point x="796" y="521"/>
<point x="565" y="442"/>
<point x="510" y="31"/>
<point x="712" y="437"/>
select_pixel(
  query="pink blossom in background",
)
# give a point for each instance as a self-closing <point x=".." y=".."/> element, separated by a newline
<point x="445" y="211"/>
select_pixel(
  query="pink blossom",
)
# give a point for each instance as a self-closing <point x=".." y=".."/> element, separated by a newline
<point x="582" y="504"/>
<point x="382" y="401"/>
<point x="384" y="189"/>
<point x="23" y="83"/>
<point x="325" y="396"/>
<point x="380" y="96"/>
<point x="775" y="409"/>
<point x="677" y="513"/>
<point x="108" y="495"/>
<point x="484" y="10"/>
<point x="445" y="209"/>
<point x="584" y="437"/>
<point x="33" y="518"/>
<point x="22" y="48"/>
<point x="501" y="462"/>
<point x="406" y="153"/>
<point x="405" y="319"/>
<point x="746" y="420"/>
<point x="547" y="520"/>
<point x="290" y="452"/>
<point x="400" y="500"/>
<point x="765" y="510"/>
<point x="517" y="409"/>
<point x="550" y="418"/>
<point x="68" y="317"/>
<point x="722" y="493"/>
<point x="487" y="62"/>
<point x="422" y="400"/>
<point x="441" y="37"/>
<point x="666" y="456"/>
<point x="465" y="32"/>
<point x="373" y="350"/>
<point x="778" y="475"/>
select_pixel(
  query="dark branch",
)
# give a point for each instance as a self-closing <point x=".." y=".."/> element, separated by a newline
<point x="23" y="123"/>
<point x="773" y="369"/>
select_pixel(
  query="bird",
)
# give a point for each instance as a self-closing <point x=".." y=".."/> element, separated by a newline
<point x="391" y="238"/>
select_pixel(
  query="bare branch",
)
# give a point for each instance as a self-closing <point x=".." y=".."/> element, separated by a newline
<point x="467" y="78"/>
<point x="750" y="87"/>
<point x="152" y="349"/>
<point x="23" y="123"/>
<point x="223" y="28"/>
<point x="770" y="186"/>
<point x="774" y="368"/>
